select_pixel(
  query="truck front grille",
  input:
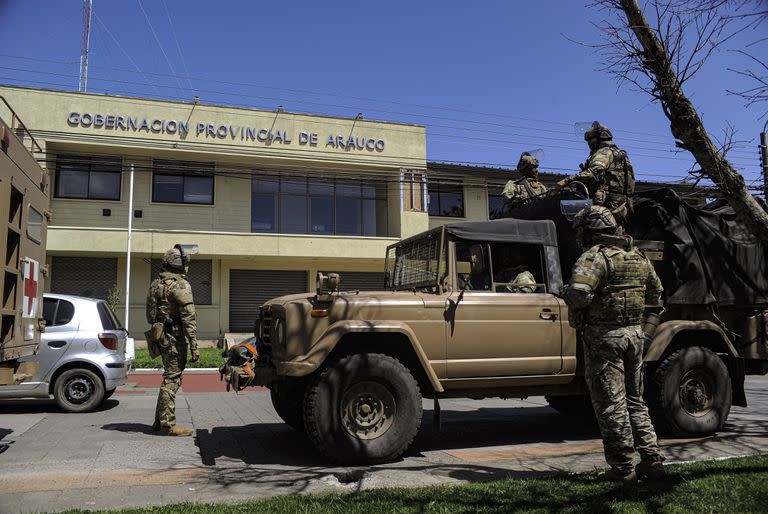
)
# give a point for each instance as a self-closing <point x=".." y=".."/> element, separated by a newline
<point x="266" y="324"/>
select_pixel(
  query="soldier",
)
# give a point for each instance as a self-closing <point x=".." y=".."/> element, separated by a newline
<point x="610" y="284"/>
<point x="527" y="187"/>
<point x="608" y="174"/>
<point x="171" y="312"/>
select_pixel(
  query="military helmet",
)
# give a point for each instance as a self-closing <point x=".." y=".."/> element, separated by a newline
<point x="173" y="259"/>
<point x="595" y="218"/>
<point x="597" y="131"/>
<point x="528" y="164"/>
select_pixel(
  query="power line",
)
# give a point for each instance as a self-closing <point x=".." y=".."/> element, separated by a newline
<point x="178" y="46"/>
<point x="154" y="34"/>
<point x="120" y="47"/>
<point x="536" y="139"/>
<point x="379" y="101"/>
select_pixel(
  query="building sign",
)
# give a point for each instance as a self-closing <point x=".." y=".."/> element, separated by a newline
<point x="202" y="130"/>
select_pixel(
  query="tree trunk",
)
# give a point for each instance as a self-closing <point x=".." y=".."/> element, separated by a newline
<point x="687" y="127"/>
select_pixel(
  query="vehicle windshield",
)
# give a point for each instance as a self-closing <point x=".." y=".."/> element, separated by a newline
<point x="414" y="263"/>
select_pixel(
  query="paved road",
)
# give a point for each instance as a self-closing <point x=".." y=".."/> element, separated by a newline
<point x="110" y="459"/>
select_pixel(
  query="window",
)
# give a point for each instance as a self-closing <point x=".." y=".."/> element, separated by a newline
<point x="314" y="206"/>
<point x="57" y="312"/>
<point x="108" y="319"/>
<point x="88" y="178"/>
<point x="446" y="200"/>
<point x="495" y="206"/>
<point x="199" y="277"/>
<point x="34" y="225"/>
<point x="494" y="267"/>
<point x="182" y="182"/>
<point x="413" y="191"/>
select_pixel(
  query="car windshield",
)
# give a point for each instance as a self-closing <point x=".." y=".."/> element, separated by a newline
<point x="414" y="263"/>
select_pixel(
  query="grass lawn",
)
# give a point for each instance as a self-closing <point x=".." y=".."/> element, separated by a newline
<point x="736" y="485"/>
<point x="209" y="358"/>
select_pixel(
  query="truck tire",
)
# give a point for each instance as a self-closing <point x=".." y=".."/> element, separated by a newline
<point x="78" y="390"/>
<point x="287" y="399"/>
<point x="691" y="393"/>
<point x="363" y="409"/>
<point x="577" y="406"/>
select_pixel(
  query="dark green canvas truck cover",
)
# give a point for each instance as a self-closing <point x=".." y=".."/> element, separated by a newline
<point x="709" y="256"/>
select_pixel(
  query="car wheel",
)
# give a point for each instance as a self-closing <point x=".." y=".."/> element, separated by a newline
<point x="691" y="393"/>
<point x="78" y="390"/>
<point x="577" y="406"/>
<point x="363" y="409"/>
<point x="287" y="399"/>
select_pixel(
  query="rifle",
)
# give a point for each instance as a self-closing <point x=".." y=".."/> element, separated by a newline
<point x="169" y="326"/>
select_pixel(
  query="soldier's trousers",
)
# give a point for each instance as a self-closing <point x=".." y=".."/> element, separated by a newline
<point x="614" y="359"/>
<point x="174" y="361"/>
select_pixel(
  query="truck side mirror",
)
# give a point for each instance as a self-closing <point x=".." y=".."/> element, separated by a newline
<point x="477" y="258"/>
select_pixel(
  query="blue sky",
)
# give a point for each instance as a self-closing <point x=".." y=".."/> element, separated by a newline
<point x="488" y="79"/>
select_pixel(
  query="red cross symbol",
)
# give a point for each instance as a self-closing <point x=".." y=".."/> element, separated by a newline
<point x="30" y="287"/>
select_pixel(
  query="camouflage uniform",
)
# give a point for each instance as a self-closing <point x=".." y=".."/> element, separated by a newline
<point x="170" y="295"/>
<point x="527" y="187"/>
<point x="523" y="283"/>
<point x="610" y="285"/>
<point x="608" y="174"/>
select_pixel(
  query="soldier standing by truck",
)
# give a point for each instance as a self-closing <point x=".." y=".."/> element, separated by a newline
<point x="608" y="174"/>
<point x="610" y="285"/>
<point x="171" y="312"/>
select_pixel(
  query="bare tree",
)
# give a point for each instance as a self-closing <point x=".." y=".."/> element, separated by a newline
<point x="659" y="57"/>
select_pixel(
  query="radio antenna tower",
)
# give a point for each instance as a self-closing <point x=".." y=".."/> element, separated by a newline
<point x="85" y="45"/>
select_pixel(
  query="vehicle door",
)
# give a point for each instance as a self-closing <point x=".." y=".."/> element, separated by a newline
<point x="60" y="330"/>
<point x="496" y="328"/>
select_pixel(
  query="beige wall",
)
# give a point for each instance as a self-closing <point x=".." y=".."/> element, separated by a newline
<point x="222" y="230"/>
<point x="46" y="113"/>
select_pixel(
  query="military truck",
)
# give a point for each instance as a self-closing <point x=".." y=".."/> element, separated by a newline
<point x="350" y="368"/>
<point x="24" y="195"/>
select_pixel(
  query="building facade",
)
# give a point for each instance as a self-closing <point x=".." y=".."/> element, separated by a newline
<point x="270" y="198"/>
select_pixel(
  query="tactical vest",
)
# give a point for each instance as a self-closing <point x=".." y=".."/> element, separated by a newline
<point x="620" y="183"/>
<point x="159" y="307"/>
<point x="621" y="299"/>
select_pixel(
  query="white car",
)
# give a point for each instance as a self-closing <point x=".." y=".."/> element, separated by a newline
<point x="82" y="356"/>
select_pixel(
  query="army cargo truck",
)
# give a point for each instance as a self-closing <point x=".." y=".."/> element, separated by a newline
<point x="24" y="203"/>
<point x="350" y="368"/>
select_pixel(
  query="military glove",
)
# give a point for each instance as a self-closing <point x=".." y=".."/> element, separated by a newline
<point x="194" y="355"/>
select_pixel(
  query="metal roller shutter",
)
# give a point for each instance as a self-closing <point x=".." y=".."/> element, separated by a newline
<point x="84" y="276"/>
<point x="248" y="289"/>
<point x="361" y="280"/>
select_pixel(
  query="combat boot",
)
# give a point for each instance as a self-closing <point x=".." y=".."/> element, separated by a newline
<point x="176" y="430"/>
<point x="652" y="469"/>
<point x="614" y="475"/>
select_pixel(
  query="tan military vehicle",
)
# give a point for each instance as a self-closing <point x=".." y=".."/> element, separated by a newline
<point x="351" y="368"/>
<point x="24" y="203"/>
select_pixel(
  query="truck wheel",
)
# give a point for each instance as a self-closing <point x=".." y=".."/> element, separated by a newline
<point x="578" y="406"/>
<point x="78" y="390"/>
<point x="287" y="399"/>
<point x="691" y="393"/>
<point x="363" y="409"/>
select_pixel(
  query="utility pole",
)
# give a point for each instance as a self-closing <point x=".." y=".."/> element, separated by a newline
<point x="764" y="160"/>
<point x="85" y="45"/>
<point x="128" y="252"/>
